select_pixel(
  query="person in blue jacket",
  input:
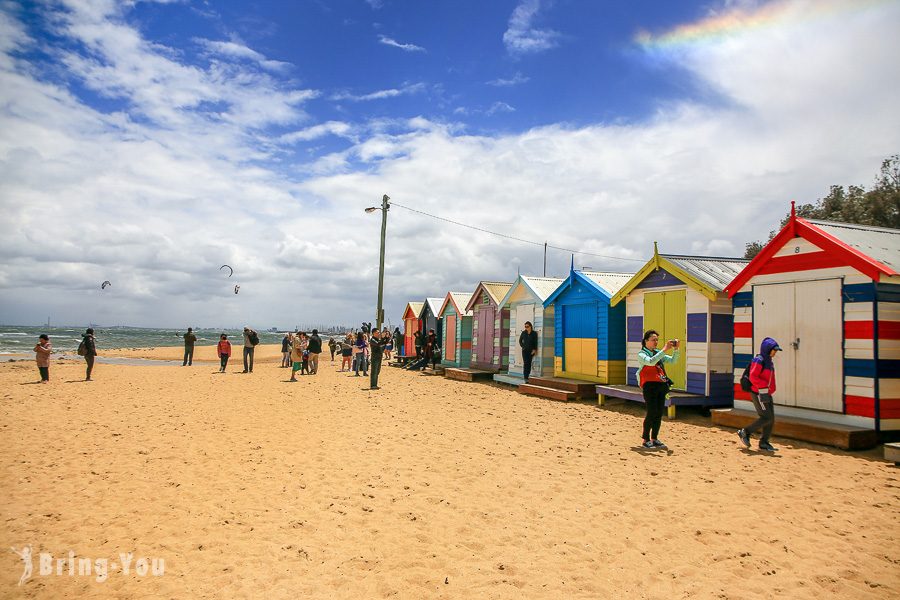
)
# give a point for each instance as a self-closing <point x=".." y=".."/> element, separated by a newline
<point x="654" y="383"/>
<point x="762" y="378"/>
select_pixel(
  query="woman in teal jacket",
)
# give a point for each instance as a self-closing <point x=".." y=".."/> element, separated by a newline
<point x="654" y="384"/>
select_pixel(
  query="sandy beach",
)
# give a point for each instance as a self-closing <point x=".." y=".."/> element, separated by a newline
<point x="251" y="487"/>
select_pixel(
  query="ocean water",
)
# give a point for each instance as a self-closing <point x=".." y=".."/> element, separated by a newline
<point x="15" y="339"/>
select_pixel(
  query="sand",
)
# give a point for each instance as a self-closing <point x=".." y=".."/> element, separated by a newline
<point x="251" y="487"/>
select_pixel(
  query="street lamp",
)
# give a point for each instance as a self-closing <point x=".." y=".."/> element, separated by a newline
<point x="385" y="206"/>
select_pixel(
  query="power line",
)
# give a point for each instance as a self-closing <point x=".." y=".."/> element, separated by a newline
<point x="512" y="237"/>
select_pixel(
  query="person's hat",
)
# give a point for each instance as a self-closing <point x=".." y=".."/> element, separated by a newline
<point x="777" y="347"/>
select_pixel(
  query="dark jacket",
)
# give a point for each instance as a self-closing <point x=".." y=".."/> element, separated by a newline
<point x="90" y="345"/>
<point x="528" y="341"/>
<point x="376" y="347"/>
<point x="189" y="339"/>
<point x="285" y="344"/>
<point x="430" y="345"/>
<point x="315" y="344"/>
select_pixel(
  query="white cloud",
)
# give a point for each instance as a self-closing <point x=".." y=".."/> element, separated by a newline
<point x="237" y="50"/>
<point x="412" y="88"/>
<point x="516" y="79"/>
<point x="375" y="4"/>
<point x="383" y="39"/>
<point x="337" y="128"/>
<point x="156" y="198"/>
<point x="521" y="37"/>
<point x="499" y="107"/>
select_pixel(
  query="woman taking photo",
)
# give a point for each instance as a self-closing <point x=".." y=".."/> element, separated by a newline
<point x="654" y="384"/>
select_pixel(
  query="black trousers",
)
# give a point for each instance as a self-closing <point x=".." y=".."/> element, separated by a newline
<point x="374" y="371"/>
<point x="248" y="352"/>
<point x="45" y="373"/>
<point x="765" y="408"/>
<point x="89" y="359"/>
<point x="188" y="356"/>
<point x="655" y="399"/>
<point x="527" y="358"/>
<point x="224" y="361"/>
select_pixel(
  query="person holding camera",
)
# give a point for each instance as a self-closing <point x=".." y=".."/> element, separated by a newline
<point x="654" y="383"/>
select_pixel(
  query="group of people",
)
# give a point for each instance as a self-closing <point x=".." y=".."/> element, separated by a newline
<point x="369" y="347"/>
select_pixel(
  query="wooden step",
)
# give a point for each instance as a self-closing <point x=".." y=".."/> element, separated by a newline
<point x="892" y="452"/>
<point x="508" y="379"/>
<point x="530" y="389"/>
<point x="807" y="430"/>
<point x="581" y="389"/>
<point x="468" y="374"/>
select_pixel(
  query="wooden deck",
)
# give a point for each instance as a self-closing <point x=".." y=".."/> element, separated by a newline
<point x="558" y="388"/>
<point x="807" y="430"/>
<point x="468" y="374"/>
<point x="633" y="393"/>
<point x="508" y="379"/>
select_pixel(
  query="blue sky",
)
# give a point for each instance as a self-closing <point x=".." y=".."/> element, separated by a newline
<point x="148" y="142"/>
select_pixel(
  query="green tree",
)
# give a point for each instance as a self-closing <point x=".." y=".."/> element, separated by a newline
<point x="879" y="206"/>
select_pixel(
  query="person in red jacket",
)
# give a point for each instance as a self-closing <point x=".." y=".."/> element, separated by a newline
<point x="762" y="377"/>
<point x="224" y="351"/>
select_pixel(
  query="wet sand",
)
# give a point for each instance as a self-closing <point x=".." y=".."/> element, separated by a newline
<point x="249" y="486"/>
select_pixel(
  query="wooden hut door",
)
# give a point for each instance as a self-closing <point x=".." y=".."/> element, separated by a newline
<point x="806" y="319"/>
<point x="580" y="339"/>
<point x="485" y="335"/>
<point x="666" y="312"/>
<point x="450" y="338"/>
<point x="524" y="312"/>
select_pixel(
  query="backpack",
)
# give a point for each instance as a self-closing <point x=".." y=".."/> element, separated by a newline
<point x="254" y="338"/>
<point x="746" y="384"/>
<point x="82" y="348"/>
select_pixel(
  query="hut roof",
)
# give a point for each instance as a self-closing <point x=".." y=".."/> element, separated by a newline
<point x="606" y="284"/>
<point x="880" y="243"/>
<point x="495" y="289"/>
<point x="873" y="251"/>
<point x="541" y="287"/>
<point x="412" y="309"/>
<point x="432" y="303"/>
<point x="707" y="274"/>
<point x="459" y="300"/>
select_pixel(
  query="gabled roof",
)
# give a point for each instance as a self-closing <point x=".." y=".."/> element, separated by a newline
<point x="540" y="287"/>
<point x="873" y="251"/>
<point x="706" y="274"/>
<point x="604" y="284"/>
<point x="414" y="307"/>
<point x="496" y="290"/>
<point x="459" y="300"/>
<point x="880" y="243"/>
<point x="434" y="304"/>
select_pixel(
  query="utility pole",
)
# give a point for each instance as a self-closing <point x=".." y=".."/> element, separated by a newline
<point x="385" y="206"/>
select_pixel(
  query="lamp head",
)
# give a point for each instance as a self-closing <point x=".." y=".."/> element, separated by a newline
<point x="371" y="209"/>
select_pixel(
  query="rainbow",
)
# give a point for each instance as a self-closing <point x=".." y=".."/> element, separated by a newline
<point x="727" y="24"/>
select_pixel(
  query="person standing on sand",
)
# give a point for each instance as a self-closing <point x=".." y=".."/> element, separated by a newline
<point x="189" y="339"/>
<point x="398" y="341"/>
<point x="286" y="350"/>
<point x="332" y="346"/>
<point x="418" y="343"/>
<point x="223" y="349"/>
<point x="315" y="349"/>
<point x="347" y="353"/>
<point x="528" y="342"/>
<point x="251" y="339"/>
<point x="42" y="352"/>
<point x="654" y="384"/>
<point x="389" y="346"/>
<point x="89" y="343"/>
<point x="304" y="350"/>
<point x="296" y="357"/>
<point x="376" y="347"/>
<point x="762" y="378"/>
